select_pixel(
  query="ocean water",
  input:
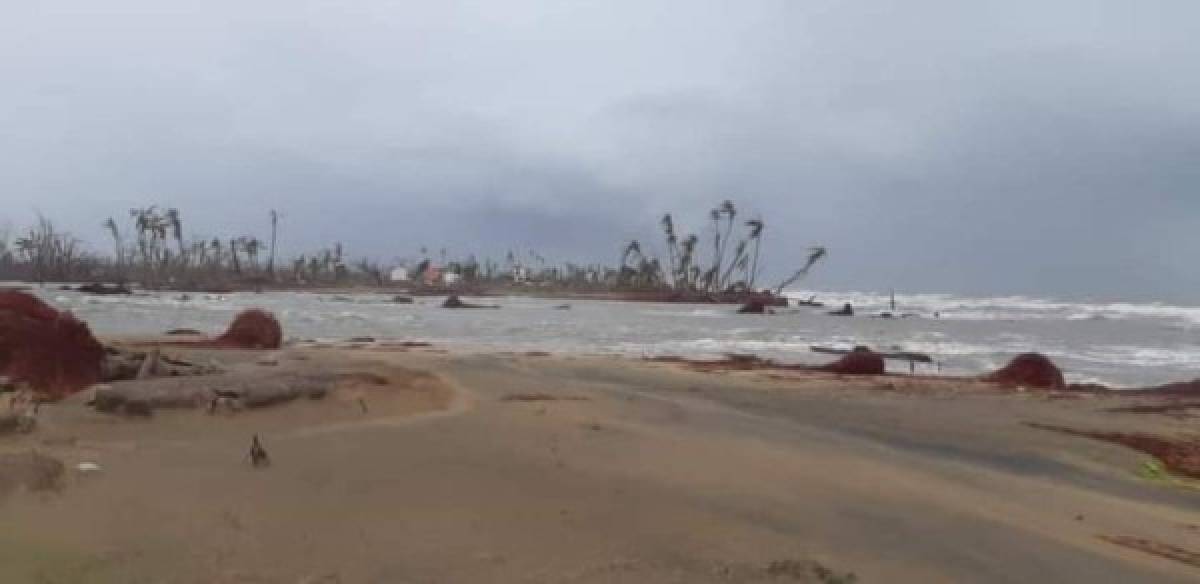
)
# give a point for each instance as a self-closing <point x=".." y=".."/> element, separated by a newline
<point x="1122" y="344"/>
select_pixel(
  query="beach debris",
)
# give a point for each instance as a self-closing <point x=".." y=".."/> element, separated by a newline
<point x="1179" y="455"/>
<point x="361" y="340"/>
<point x="847" y="309"/>
<point x="1032" y="370"/>
<point x="1174" y="408"/>
<point x="402" y="299"/>
<point x="808" y="571"/>
<point x="252" y="329"/>
<point x="453" y="301"/>
<point x="539" y="397"/>
<point x="258" y="455"/>
<point x="268" y="360"/>
<point x="32" y="471"/>
<point x="110" y="401"/>
<point x="149" y="366"/>
<point x="899" y="355"/>
<point x="87" y="467"/>
<point x="860" y="361"/>
<point x="192" y="393"/>
<point x="232" y="400"/>
<point x="811" y="301"/>
<point x="1177" y="389"/>
<point x="184" y="331"/>
<point x="362" y="404"/>
<point x="124" y="365"/>
<point x="1157" y="548"/>
<point x="22" y="422"/>
<point x="563" y="307"/>
<point x="50" y="350"/>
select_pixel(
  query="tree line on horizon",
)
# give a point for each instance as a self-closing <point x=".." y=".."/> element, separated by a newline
<point x="149" y="248"/>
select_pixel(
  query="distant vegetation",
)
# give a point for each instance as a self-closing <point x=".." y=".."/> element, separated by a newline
<point x="149" y="247"/>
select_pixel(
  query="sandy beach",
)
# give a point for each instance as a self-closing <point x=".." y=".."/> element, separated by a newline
<point x="430" y="466"/>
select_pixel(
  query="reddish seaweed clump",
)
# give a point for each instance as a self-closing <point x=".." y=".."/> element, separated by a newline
<point x="252" y="329"/>
<point x="52" y="351"/>
<point x="1029" y="370"/>
<point x="860" y="361"/>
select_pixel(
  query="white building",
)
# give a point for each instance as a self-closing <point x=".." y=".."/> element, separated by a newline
<point x="399" y="274"/>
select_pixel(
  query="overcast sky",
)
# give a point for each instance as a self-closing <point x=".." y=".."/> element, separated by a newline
<point x="979" y="147"/>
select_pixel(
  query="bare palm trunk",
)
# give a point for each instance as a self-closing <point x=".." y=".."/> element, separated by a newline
<point x="754" y="263"/>
<point x="271" y="257"/>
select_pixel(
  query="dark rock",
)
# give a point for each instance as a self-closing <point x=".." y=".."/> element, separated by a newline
<point x="846" y="310"/>
<point x="402" y="300"/>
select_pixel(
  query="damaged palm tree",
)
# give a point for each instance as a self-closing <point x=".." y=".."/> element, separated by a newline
<point x="732" y="275"/>
<point x="814" y="255"/>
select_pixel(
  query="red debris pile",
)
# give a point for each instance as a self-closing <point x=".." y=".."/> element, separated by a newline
<point x="252" y="329"/>
<point x="1032" y="370"/>
<point x="50" y="350"/>
<point x="860" y="361"/>
<point x="1180" y="455"/>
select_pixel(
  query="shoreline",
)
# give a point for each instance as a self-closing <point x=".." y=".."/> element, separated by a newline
<point x="645" y="296"/>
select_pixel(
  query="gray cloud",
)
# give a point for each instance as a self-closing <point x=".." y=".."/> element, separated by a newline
<point x="1013" y="147"/>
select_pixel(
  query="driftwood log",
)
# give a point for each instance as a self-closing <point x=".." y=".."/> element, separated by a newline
<point x="195" y="393"/>
<point x="122" y="365"/>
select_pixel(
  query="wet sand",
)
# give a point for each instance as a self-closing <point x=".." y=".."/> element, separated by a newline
<point x="515" y="468"/>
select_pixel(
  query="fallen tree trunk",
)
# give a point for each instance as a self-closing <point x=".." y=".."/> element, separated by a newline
<point x="196" y="393"/>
